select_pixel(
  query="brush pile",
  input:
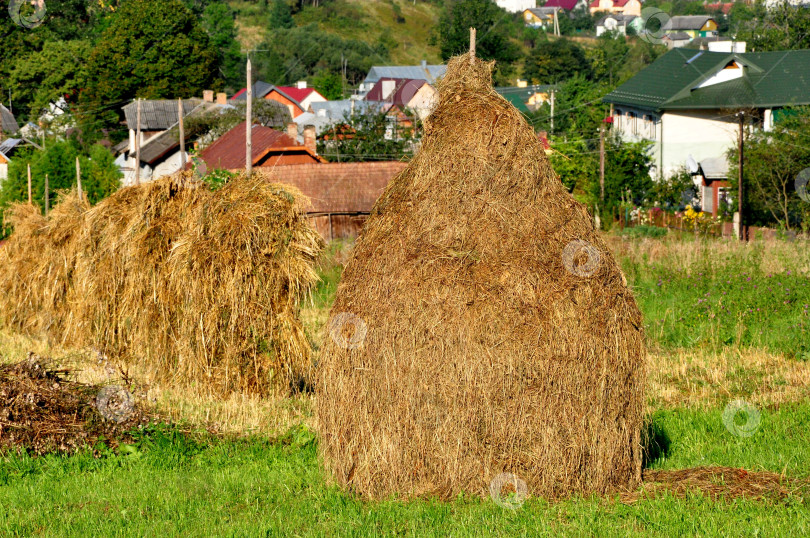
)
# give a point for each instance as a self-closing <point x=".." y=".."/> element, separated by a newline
<point x="481" y="328"/>
<point x="199" y="287"/>
<point x="42" y="410"/>
<point x="717" y="482"/>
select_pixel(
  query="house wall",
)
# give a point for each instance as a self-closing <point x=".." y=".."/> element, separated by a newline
<point x="340" y="227"/>
<point x="313" y="97"/>
<point x="703" y="134"/>
<point x="424" y="101"/>
<point x="516" y="6"/>
<point x="165" y="167"/>
<point x="533" y="20"/>
<point x="295" y="111"/>
<point x="3" y="170"/>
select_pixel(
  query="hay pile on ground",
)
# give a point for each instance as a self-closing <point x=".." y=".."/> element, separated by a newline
<point x="715" y="482"/>
<point x="481" y="325"/>
<point x="196" y="286"/>
<point x="42" y="410"/>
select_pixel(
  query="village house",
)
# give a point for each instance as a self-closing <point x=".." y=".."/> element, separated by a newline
<point x="332" y="116"/>
<point x="8" y="125"/>
<point x="541" y="17"/>
<point x="618" y="23"/>
<point x="525" y="98"/>
<point x="298" y="99"/>
<point x="269" y="148"/>
<point x="567" y="5"/>
<point x="406" y="94"/>
<point x="693" y="25"/>
<point x="341" y="195"/>
<point x="429" y="73"/>
<point x="160" y="135"/>
<point x="686" y="105"/>
<point x="624" y="7"/>
<point x="516" y="6"/>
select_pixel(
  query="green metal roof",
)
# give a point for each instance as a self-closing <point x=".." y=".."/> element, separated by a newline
<point x="771" y="79"/>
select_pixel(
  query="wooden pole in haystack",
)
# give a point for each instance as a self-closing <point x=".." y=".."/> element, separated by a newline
<point x="249" y="123"/>
<point x="472" y="45"/>
<point x="138" y="143"/>
<point x="741" y="116"/>
<point x="47" y="202"/>
<point x="182" y="133"/>
<point x="79" y="178"/>
<point x="29" y="183"/>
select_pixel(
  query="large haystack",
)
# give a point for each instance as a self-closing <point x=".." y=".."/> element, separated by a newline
<point x="481" y="326"/>
<point x="198" y="287"/>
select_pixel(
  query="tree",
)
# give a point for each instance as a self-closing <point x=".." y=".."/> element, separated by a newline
<point x="100" y="176"/>
<point x="152" y="49"/>
<point x="781" y="27"/>
<point x="608" y="57"/>
<point x="218" y="21"/>
<point x="367" y="137"/>
<point x="329" y="84"/>
<point x="555" y="61"/>
<point x="280" y="15"/>
<point x="578" y="109"/>
<point x="773" y="161"/>
<point x="495" y="29"/>
<point x="42" y="77"/>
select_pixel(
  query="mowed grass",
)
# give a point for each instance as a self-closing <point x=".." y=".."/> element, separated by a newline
<point x="171" y="483"/>
<point x="175" y="481"/>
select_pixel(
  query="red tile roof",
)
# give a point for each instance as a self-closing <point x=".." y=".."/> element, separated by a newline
<point x="724" y="7"/>
<point x="298" y="94"/>
<point x="240" y="92"/>
<point x="337" y="187"/>
<point x="228" y="151"/>
<point x="564" y="4"/>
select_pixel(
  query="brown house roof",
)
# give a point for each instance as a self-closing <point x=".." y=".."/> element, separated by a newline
<point x="228" y="151"/>
<point x="338" y="187"/>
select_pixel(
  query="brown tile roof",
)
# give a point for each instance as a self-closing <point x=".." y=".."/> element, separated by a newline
<point x="338" y="187"/>
<point x="404" y="90"/>
<point x="228" y="151"/>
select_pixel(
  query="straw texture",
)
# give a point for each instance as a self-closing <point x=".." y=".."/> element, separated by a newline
<point x="481" y="325"/>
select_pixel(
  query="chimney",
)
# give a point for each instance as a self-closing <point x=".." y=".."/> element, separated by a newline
<point x="388" y="88"/>
<point x="309" y="138"/>
<point x="222" y="98"/>
<point x="292" y="131"/>
<point x="424" y="64"/>
<point x="208" y="96"/>
<point x="302" y="84"/>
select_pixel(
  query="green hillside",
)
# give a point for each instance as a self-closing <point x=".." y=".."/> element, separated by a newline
<point x="403" y="25"/>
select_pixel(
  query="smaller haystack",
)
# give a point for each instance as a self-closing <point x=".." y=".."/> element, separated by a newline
<point x="197" y="286"/>
<point x="481" y="328"/>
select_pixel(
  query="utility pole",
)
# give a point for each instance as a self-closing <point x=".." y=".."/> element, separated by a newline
<point x="29" y="183"/>
<point x="602" y="161"/>
<point x="741" y="230"/>
<point x="137" y="145"/>
<point x="556" y="24"/>
<point x="78" y="178"/>
<point x="472" y="45"/>
<point x="552" y="111"/>
<point x="249" y="123"/>
<point x="182" y="134"/>
<point x="47" y="195"/>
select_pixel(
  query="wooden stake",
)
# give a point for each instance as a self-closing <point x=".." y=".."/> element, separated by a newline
<point x="29" y="183"/>
<point x="472" y="45"/>
<point x="182" y="134"/>
<point x="79" y="178"/>
<point x="602" y="161"/>
<point x="249" y="123"/>
<point x="47" y="202"/>
<point x="742" y="236"/>
<point x="138" y="145"/>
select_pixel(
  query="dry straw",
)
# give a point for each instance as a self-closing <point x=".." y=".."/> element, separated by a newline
<point x="198" y="287"/>
<point x="484" y="354"/>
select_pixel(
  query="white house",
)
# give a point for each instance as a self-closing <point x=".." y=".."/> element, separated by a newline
<point x="516" y="6"/>
<point x="686" y="104"/>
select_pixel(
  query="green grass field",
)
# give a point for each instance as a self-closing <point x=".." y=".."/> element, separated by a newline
<point x="183" y="481"/>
